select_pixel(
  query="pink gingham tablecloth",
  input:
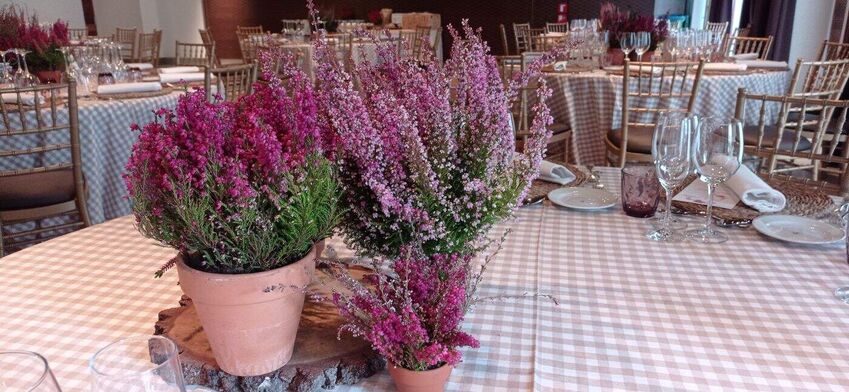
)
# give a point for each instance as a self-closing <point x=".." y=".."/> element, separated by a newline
<point x="590" y="103"/>
<point x="750" y="314"/>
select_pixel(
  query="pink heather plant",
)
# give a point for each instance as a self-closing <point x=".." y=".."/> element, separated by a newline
<point x="412" y="317"/>
<point x="426" y="150"/>
<point x="616" y="22"/>
<point x="237" y="187"/>
<point x="19" y="30"/>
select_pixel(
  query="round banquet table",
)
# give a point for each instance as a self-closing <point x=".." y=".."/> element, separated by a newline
<point x="590" y="103"/>
<point x="751" y="314"/>
<point x="106" y="142"/>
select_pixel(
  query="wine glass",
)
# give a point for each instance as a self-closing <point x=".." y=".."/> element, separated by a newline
<point x="672" y="159"/>
<point x="140" y="363"/>
<point x="842" y="293"/>
<point x="627" y="43"/>
<point x="26" y="371"/>
<point x="642" y="43"/>
<point x="578" y="24"/>
<point x="27" y="79"/>
<point x="717" y="154"/>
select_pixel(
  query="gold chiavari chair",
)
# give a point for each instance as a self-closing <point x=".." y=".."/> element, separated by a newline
<point x="149" y="45"/>
<point x="232" y="82"/>
<point x="556" y="27"/>
<point x="127" y="39"/>
<point x="558" y="147"/>
<point x="249" y="44"/>
<point x="536" y="37"/>
<point x="194" y="54"/>
<point x="833" y="51"/>
<point x="759" y="45"/>
<point x="78" y="34"/>
<point x="647" y="90"/>
<point x="504" y="41"/>
<point x="522" y="37"/>
<point x="717" y="27"/>
<point x="206" y="36"/>
<point x="249" y="30"/>
<point x="824" y="145"/>
<point x="41" y="140"/>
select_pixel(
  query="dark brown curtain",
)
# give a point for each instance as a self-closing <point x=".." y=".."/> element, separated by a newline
<point x="721" y="10"/>
<point x="771" y="17"/>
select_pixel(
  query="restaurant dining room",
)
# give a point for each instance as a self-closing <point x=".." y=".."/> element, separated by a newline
<point x="424" y="195"/>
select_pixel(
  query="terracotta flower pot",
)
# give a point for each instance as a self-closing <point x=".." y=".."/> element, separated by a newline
<point x="424" y="381"/>
<point x="48" y="76"/>
<point x="250" y="319"/>
<point x="617" y="57"/>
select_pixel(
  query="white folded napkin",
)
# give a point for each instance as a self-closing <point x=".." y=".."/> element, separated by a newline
<point x="725" y="67"/>
<point x="140" y="66"/>
<point x="764" y="64"/>
<point x="553" y="34"/>
<point x="177" y="77"/>
<point x="552" y="172"/>
<point x="560" y="65"/>
<point x="745" y="56"/>
<point x="120" y="88"/>
<point x="183" y="69"/>
<point x="635" y="69"/>
<point x="755" y="192"/>
<point x="26" y="98"/>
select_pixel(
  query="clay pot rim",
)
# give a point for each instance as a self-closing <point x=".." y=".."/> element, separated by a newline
<point x="180" y="260"/>
<point x="444" y="364"/>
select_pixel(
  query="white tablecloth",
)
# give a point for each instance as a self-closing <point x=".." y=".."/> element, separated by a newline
<point x="750" y="314"/>
<point x="106" y="142"/>
<point x="590" y="103"/>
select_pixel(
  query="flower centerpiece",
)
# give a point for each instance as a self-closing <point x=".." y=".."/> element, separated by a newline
<point x="18" y="30"/>
<point x="616" y="22"/>
<point x="245" y="192"/>
<point x="428" y="166"/>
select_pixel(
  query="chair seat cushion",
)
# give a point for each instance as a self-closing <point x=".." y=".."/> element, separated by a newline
<point x="639" y="138"/>
<point x="36" y="189"/>
<point x="750" y="136"/>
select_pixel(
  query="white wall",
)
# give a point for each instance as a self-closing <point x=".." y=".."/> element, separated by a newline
<point x="70" y="11"/>
<point x="179" y="20"/>
<point x="811" y="24"/>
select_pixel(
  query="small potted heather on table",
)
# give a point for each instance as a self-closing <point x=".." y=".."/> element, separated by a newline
<point x="427" y="167"/>
<point x="18" y="30"/>
<point x="244" y="191"/>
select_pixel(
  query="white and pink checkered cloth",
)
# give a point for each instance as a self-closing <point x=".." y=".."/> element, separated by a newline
<point x="750" y="314"/>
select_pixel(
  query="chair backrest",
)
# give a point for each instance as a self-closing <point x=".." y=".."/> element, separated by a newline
<point x="819" y="79"/>
<point x="127" y="39"/>
<point x="37" y="136"/>
<point x="717" y="27"/>
<point x="78" y="34"/>
<point x="759" y="45"/>
<point x="232" y="82"/>
<point x="833" y="51"/>
<point x="557" y="27"/>
<point x="194" y="54"/>
<point x="827" y="136"/>
<point x="522" y="37"/>
<point x="537" y="39"/>
<point x="249" y="30"/>
<point x="206" y="36"/>
<point x="651" y="88"/>
<point x="504" y="44"/>
<point x="149" y="45"/>
<point x="249" y="43"/>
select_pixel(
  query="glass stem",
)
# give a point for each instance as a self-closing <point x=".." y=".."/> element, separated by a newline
<point x="709" y="213"/>
<point x="667" y="215"/>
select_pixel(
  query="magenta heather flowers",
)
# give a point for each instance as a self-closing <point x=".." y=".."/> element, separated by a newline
<point x="413" y="316"/>
<point x="616" y="22"/>
<point x="426" y="149"/>
<point x="237" y="186"/>
<point x="19" y="30"/>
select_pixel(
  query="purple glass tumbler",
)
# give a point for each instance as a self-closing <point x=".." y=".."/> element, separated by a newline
<point x="640" y="191"/>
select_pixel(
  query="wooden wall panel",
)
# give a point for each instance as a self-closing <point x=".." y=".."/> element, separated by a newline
<point x="224" y="15"/>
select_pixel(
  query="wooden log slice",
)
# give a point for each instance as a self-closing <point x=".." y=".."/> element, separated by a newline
<point x="320" y="360"/>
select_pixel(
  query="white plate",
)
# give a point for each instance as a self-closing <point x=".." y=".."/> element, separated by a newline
<point x="583" y="198"/>
<point x="797" y="229"/>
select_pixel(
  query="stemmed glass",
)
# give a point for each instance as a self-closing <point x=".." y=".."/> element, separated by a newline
<point x="627" y="43"/>
<point x="578" y="24"/>
<point x="672" y="158"/>
<point x="717" y="154"/>
<point x="642" y="43"/>
<point x="26" y="371"/>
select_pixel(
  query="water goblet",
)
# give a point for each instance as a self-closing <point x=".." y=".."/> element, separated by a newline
<point x="26" y="371"/>
<point x="642" y="43"/>
<point x="717" y="150"/>
<point x="671" y="144"/>
<point x="627" y="43"/>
